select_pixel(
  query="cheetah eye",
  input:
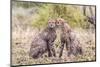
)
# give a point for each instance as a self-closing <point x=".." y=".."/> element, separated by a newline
<point x="49" y="22"/>
<point x="58" y="22"/>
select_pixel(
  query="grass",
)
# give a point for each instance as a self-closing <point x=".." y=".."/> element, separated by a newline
<point x="21" y="41"/>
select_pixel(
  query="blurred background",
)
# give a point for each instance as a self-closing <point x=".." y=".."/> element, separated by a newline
<point x="37" y="14"/>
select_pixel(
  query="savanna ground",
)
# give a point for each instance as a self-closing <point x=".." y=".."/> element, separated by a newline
<point x="28" y="19"/>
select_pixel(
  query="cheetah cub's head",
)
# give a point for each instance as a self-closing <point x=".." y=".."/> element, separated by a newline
<point x="60" y="22"/>
<point x="51" y="23"/>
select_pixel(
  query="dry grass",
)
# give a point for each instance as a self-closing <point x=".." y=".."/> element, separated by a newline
<point x="21" y="44"/>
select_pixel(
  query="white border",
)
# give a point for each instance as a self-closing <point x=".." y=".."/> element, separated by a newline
<point x="5" y="33"/>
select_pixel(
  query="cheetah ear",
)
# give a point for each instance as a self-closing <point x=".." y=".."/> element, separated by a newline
<point x="67" y="21"/>
<point x="49" y="18"/>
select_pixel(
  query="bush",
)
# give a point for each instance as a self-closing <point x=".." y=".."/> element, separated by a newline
<point x="70" y="13"/>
